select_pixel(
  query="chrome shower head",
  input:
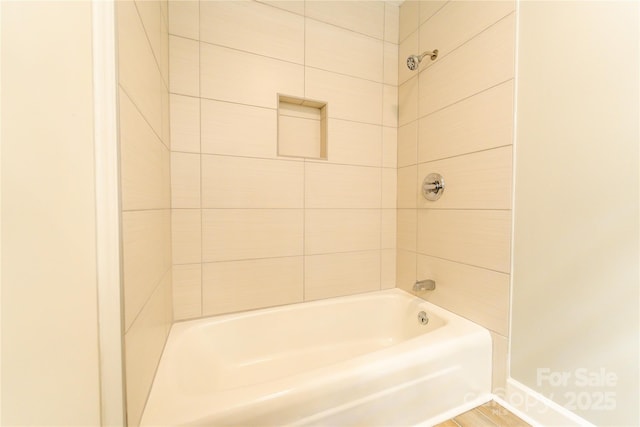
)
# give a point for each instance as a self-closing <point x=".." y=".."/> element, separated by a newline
<point x="414" y="60"/>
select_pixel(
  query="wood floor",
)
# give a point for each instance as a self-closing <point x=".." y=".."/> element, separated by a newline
<point x="488" y="415"/>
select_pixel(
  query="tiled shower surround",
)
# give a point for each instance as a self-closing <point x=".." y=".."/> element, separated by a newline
<point x="215" y="221"/>
<point x="456" y="118"/>
<point x="250" y="228"/>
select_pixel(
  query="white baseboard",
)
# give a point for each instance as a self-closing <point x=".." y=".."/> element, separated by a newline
<point x="536" y="409"/>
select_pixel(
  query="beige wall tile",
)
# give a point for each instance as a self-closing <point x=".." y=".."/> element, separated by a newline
<point x="235" y="76"/>
<point x="237" y="182"/>
<point x="409" y="18"/>
<point x="428" y="8"/>
<point x="408" y="47"/>
<point x="475" y="293"/>
<point x="295" y="6"/>
<point x="480" y="238"/>
<point x="390" y="73"/>
<point x="391" y="22"/>
<point x="185" y="123"/>
<point x="389" y="147"/>
<point x="138" y="73"/>
<point x="389" y="227"/>
<point x="341" y="230"/>
<point x="187" y="291"/>
<point x="405" y="269"/>
<point x="184" y="62"/>
<point x="354" y="143"/>
<point x="239" y="130"/>
<point x="491" y="57"/>
<point x="389" y="188"/>
<point x="185" y="180"/>
<point x="387" y="268"/>
<point x="253" y="27"/>
<point x="499" y="368"/>
<point x="234" y="234"/>
<point x="407" y="188"/>
<point x="390" y="105"/>
<point x="362" y="17"/>
<point x="349" y="98"/>
<point x="332" y="275"/>
<point x="186" y="233"/>
<point x="479" y="180"/>
<point x="408" y="101"/>
<point x="184" y="18"/>
<point x="408" y="144"/>
<point x="243" y="285"/>
<point x="459" y="21"/>
<point x="407" y="226"/>
<point x="144" y="160"/>
<point x="144" y="342"/>
<point x="339" y="186"/>
<point x="342" y="51"/>
<point x="146" y="252"/>
<point x="480" y="122"/>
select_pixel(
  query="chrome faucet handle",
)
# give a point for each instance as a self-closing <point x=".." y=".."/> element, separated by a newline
<point x="424" y="285"/>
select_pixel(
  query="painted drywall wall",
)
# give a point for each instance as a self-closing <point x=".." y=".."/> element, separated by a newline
<point x="50" y="363"/>
<point x="575" y="275"/>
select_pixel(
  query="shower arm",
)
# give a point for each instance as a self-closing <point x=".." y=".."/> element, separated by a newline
<point x="433" y="54"/>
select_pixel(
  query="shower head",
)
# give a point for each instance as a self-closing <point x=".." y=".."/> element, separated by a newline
<point x="414" y="60"/>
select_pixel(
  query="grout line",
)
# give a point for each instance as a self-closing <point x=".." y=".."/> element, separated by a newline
<point x="153" y="53"/>
<point x="200" y="155"/>
<point x="275" y="109"/>
<point x="461" y="100"/>
<point x="286" y="61"/>
<point x="288" y="159"/>
<point x="454" y="156"/>
<point x="325" y="22"/>
<point x="382" y="198"/>
<point x="419" y="23"/>
<point x="143" y="117"/>
<point x="465" y="209"/>
<point x="417" y="177"/>
<point x="358" y="251"/>
<point x="304" y="160"/>
<point x="147" y="300"/>
<point x="458" y="262"/>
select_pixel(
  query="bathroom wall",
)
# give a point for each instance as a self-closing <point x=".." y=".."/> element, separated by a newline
<point x="456" y="119"/>
<point x="50" y="359"/>
<point x="146" y="191"/>
<point x="576" y="240"/>
<point x="252" y="228"/>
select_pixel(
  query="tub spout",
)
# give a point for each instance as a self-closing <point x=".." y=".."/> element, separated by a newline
<point x="424" y="285"/>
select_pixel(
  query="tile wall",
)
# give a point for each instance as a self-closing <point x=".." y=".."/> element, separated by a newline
<point x="250" y="228"/>
<point x="456" y="118"/>
<point x="146" y="191"/>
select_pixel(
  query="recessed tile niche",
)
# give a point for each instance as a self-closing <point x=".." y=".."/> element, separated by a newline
<point x="302" y="127"/>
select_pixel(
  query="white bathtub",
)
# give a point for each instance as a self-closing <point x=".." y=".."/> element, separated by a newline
<point x="358" y="360"/>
